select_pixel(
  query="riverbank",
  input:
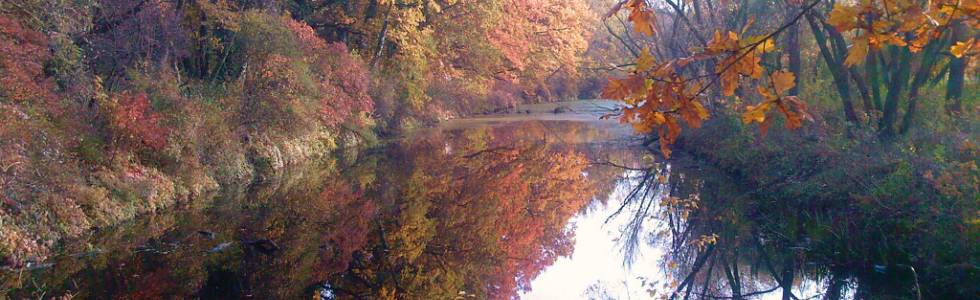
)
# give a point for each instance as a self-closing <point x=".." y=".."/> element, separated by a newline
<point x="125" y="190"/>
<point x="201" y="162"/>
<point x="870" y="208"/>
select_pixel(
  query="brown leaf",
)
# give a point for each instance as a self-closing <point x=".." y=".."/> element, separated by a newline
<point x="642" y="17"/>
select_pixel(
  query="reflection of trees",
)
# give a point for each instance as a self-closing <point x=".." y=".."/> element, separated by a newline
<point x="317" y="221"/>
<point x="717" y="246"/>
<point x="726" y="242"/>
<point x="480" y="212"/>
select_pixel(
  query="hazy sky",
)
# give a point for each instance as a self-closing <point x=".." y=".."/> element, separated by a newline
<point x="598" y="259"/>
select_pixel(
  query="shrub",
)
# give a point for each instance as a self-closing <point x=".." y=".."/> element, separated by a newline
<point x="23" y="53"/>
<point x="343" y="79"/>
<point x="276" y="96"/>
<point x="133" y="125"/>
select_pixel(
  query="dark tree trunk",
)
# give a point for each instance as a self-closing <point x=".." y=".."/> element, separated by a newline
<point x="896" y="84"/>
<point x="957" y="70"/>
<point x="929" y="58"/>
<point x="836" y="70"/>
<point x="874" y="77"/>
<point x="835" y="288"/>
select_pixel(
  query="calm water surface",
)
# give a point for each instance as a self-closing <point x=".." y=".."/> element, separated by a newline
<point x="538" y="206"/>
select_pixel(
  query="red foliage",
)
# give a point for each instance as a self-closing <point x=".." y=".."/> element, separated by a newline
<point x="134" y="124"/>
<point x="350" y="217"/>
<point x="343" y="78"/>
<point x="516" y="223"/>
<point x="22" y="55"/>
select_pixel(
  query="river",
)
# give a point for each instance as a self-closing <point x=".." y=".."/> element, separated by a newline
<point x="537" y="205"/>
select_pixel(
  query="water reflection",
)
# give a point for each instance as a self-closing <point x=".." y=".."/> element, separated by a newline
<point x="462" y="212"/>
<point x="599" y="268"/>
<point x="552" y="209"/>
<point x="721" y="240"/>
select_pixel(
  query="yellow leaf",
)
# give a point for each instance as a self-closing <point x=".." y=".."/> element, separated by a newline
<point x="756" y="113"/>
<point x="844" y="17"/>
<point x="962" y="48"/>
<point x="858" y="52"/>
<point x="783" y="81"/>
<point x="645" y="61"/>
<point x="699" y="109"/>
<point x="657" y="118"/>
<point x="765" y="44"/>
<point x="764" y="92"/>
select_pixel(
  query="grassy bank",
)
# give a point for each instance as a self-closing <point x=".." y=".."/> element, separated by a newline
<point x="868" y="208"/>
<point x="74" y="200"/>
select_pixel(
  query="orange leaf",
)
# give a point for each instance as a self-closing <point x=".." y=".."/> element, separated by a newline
<point x="623" y="88"/>
<point x="844" y="17"/>
<point x="729" y="78"/>
<point x="756" y="113"/>
<point x="783" y="81"/>
<point x="765" y="93"/>
<point x="642" y="18"/>
<point x="668" y="135"/>
<point x="858" y="52"/>
<point x="963" y="48"/>
<point x="693" y="113"/>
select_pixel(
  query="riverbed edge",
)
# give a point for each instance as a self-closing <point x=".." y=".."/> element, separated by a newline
<point x="119" y="194"/>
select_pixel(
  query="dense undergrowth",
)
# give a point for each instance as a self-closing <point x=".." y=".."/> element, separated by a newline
<point x="866" y="208"/>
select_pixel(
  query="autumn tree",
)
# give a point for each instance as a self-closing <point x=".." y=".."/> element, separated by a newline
<point x="665" y="87"/>
<point x="125" y="33"/>
<point x="911" y="32"/>
<point x="343" y="78"/>
<point x="459" y="56"/>
<point x="23" y="52"/>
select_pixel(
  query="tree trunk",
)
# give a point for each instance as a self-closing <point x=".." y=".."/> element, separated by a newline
<point x="874" y="77"/>
<point x="734" y="282"/>
<point x="381" y="39"/>
<point x="957" y="70"/>
<point x="898" y="81"/>
<point x="929" y="57"/>
<point x="836" y="286"/>
<point x="836" y="70"/>
<point x="862" y="87"/>
<point x="840" y="46"/>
